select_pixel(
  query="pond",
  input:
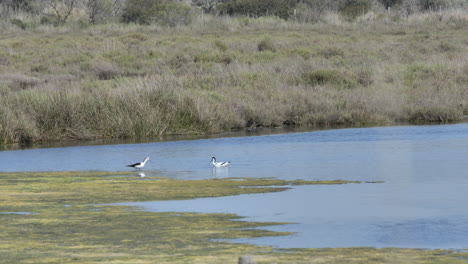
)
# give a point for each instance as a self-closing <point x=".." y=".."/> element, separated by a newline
<point x="421" y="202"/>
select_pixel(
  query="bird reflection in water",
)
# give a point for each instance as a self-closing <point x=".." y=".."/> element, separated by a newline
<point x="220" y="172"/>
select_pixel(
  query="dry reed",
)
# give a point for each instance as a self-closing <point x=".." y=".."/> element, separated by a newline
<point x="114" y="81"/>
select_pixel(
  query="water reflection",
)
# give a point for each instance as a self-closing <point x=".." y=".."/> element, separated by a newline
<point x="220" y="172"/>
<point x="172" y="138"/>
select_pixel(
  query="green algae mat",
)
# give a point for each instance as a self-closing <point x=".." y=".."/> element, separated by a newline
<point x="60" y="217"/>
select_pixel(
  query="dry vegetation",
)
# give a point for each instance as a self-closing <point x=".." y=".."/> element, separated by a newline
<point x="80" y="81"/>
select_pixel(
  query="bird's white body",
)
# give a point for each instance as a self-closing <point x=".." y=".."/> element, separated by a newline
<point x="139" y="165"/>
<point x="220" y="164"/>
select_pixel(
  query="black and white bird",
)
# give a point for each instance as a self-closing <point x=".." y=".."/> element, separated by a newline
<point x="139" y="165"/>
<point x="219" y="164"/>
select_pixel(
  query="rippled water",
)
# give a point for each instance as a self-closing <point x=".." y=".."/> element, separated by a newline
<point x="421" y="204"/>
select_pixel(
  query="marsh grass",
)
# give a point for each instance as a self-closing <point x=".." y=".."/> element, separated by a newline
<point x="69" y="223"/>
<point x="219" y="74"/>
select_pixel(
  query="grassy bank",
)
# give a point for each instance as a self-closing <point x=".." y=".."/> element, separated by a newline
<point x="62" y="222"/>
<point x="219" y="74"/>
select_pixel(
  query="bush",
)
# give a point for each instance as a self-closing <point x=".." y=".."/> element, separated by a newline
<point x="48" y="20"/>
<point x="319" y="77"/>
<point x="309" y="12"/>
<point x="208" y="6"/>
<point x="433" y="5"/>
<point x="19" y="23"/>
<point x="329" y="76"/>
<point x="354" y="8"/>
<point x="176" y="14"/>
<point x="418" y="73"/>
<point x="18" y="4"/>
<point x="104" y="70"/>
<point x="257" y="8"/>
<point x="330" y="52"/>
<point x="156" y="11"/>
<point x="142" y="11"/>
<point x="220" y="45"/>
<point x="266" y="44"/>
<point x="102" y="11"/>
<point x="390" y="3"/>
<point x="303" y="52"/>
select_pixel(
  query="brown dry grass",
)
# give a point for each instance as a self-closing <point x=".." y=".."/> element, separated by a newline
<point x="217" y="74"/>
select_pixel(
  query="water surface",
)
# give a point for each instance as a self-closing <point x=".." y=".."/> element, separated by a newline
<point x="420" y="204"/>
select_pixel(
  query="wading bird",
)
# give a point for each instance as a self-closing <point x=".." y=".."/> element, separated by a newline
<point x="139" y="165"/>
<point x="219" y="164"/>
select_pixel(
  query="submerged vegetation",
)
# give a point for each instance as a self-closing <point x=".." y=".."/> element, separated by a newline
<point x="217" y="73"/>
<point x="59" y="217"/>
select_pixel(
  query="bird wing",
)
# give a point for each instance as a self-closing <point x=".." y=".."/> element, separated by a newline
<point x="133" y="165"/>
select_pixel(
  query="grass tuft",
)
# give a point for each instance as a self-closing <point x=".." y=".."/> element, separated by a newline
<point x="266" y="44"/>
<point x="340" y="80"/>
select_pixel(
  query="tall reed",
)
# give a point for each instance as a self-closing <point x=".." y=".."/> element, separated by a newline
<point x="115" y="81"/>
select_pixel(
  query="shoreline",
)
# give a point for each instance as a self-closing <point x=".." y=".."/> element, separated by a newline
<point x="263" y="131"/>
<point x="62" y="226"/>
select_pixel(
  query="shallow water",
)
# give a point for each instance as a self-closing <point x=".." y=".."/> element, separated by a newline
<point x="420" y="204"/>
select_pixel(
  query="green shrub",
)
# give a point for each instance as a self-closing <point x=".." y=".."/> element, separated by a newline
<point x="303" y="52"/>
<point x="262" y="57"/>
<point x="206" y="57"/>
<point x="258" y="8"/>
<point x="103" y="11"/>
<point x="329" y="76"/>
<point x="156" y="11"/>
<point x="266" y="44"/>
<point x="220" y="45"/>
<point x="48" y="20"/>
<point x="364" y="77"/>
<point x="133" y="38"/>
<point x="319" y="77"/>
<point x="39" y="68"/>
<point x="105" y="70"/>
<point x="433" y="4"/>
<point x="208" y="6"/>
<point x="354" y="8"/>
<point x="180" y="61"/>
<point x="25" y="5"/>
<point x="390" y="3"/>
<point x="309" y="12"/>
<point x="417" y="71"/>
<point x="142" y="11"/>
<point x="330" y="52"/>
<point x="19" y="23"/>
<point x="445" y="46"/>
<point x="4" y="89"/>
<point x="4" y="60"/>
<point x="176" y="14"/>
